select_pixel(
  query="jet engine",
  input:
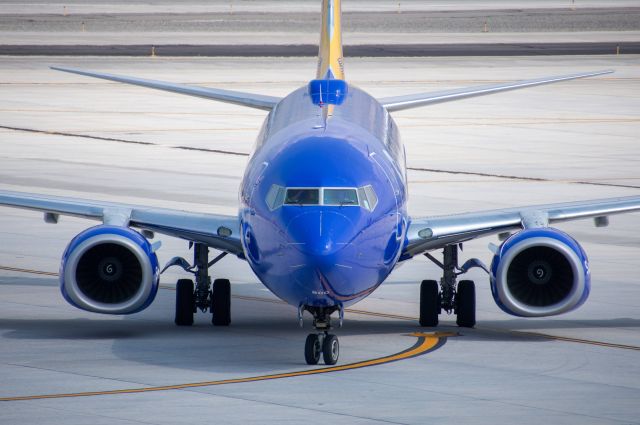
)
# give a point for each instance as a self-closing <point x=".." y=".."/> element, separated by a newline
<point x="109" y="269"/>
<point x="540" y="272"/>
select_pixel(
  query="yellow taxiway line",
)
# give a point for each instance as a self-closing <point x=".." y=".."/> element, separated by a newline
<point x="426" y="343"/>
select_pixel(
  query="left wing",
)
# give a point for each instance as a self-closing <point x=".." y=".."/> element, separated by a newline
<point x="250" y="100"/>
<point x="217" y="231"/>
<point x="429" y="233"/>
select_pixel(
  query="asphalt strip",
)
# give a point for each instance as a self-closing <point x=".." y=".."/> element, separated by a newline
<point x="311" y="50"/>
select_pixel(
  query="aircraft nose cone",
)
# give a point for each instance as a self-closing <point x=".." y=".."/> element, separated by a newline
<point x="320" y="232"/>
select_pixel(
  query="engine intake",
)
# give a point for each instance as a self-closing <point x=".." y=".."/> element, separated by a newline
<point x="540" y="272"/>
<point x="109" y="269"/>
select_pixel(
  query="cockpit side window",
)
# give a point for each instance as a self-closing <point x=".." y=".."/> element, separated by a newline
<point x="371" y="197"/>
<point x="364" y="202"/>
<point x="275" y="197"/>
<point x="306" y="196"/>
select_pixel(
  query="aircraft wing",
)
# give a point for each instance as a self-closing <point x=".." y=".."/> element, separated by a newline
<point x="217" y="231"/>
<point x="429" y="233"/>
<point x="398" y="103"/>
<point x="251" y="100"/>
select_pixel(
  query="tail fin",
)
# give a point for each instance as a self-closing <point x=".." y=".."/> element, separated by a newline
<point x="330" y="61"/>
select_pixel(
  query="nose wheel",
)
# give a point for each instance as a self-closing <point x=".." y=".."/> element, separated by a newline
<point x="330" y="349"/>
<point x="321" y="344"/>
<point x="313" y="348"/>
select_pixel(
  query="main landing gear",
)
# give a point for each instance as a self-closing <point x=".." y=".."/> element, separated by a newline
<point x="322" y="342"/>
<point x="204" y="296"/>
<point x="450" y="296"/>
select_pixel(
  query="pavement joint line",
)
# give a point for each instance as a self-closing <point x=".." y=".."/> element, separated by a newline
<point x="87" y="136"/>
<point x="509" y="177"/>
<point x="235" y="153"/>
<point x="426" y="343"/>
<point x="393" y="316"/>
<point x="16" y="269"/>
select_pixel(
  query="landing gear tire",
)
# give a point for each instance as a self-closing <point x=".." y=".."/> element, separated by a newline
<point x="429" y="303"/>
<point x="312" y="349"/>
<point x="221" y="302"/>
<point x="466" y="304"/>
<point x="330" y="349"/>
<point x="185" y="302"/>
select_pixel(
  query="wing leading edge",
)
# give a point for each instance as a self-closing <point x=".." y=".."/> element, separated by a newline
<point x="217" y="231"/>
<point x="429" y="233"/>
<point x="251" y="100"/>
<point x="399" y="103"/>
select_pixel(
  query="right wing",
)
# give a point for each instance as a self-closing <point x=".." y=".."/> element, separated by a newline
<point x="251" y="100"/>
<point x="217" y="231"/>
<point x="398" y="103"/>
<point x="429" y="233"/>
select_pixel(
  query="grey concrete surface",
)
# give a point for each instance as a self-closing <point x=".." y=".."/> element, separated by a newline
<point x="581" y="137"/>
<point x="284" y="22"/>
<point x="229" y="6"/>
<point x="513" y="20"/>
<point x="160" y="38"/>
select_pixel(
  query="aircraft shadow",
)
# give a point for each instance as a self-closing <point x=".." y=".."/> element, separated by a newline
<point x="263" y="337"/>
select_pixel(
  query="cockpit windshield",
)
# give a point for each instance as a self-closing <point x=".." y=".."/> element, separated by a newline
<point x="302" y="196"/>
<point x="363" y="197"/>
<point x="340" y="197"/>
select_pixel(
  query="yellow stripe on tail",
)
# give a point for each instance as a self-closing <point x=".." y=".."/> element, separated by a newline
<point x="330" y="61"/>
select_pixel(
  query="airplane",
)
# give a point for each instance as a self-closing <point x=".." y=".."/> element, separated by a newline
<point x="322" y="218"/>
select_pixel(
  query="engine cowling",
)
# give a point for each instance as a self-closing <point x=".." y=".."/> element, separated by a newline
<point x="540" y="272"/>
<point x="109" y="269"/>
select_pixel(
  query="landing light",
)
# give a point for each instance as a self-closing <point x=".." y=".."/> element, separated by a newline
<point x="224" y="231"/>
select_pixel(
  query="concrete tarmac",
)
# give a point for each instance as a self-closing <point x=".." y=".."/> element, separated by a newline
<point x="414" y="21"/>
<point x="69" y="135"/>
<point x="284" y="23"/>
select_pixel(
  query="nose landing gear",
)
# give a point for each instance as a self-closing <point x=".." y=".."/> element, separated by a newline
<point x="321" y="342"/>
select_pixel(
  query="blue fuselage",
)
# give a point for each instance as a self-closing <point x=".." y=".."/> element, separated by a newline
<point x="324" y="255"/>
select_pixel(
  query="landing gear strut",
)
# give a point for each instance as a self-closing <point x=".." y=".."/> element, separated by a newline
<point x="321" y="342"/>
<point x="216" y="298"/>
<point x="453" y="296"/>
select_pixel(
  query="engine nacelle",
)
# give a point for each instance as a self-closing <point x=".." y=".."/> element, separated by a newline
<point x="109" y="269"/>
<point x="540" y="272"/>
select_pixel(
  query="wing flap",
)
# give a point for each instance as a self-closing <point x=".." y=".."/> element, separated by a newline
<point x="251" y="100"/>
<point x="399" y="103"/>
